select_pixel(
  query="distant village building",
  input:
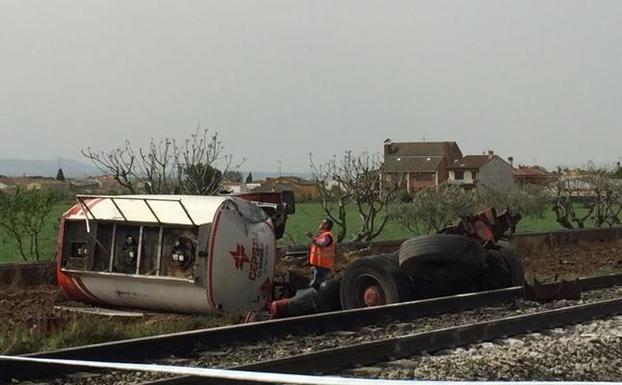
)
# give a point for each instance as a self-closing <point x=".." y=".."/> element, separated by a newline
<point x="33" y="183"/>
<point x="490" y="170"/>
<point x="303" y="189"/>
<point x="423" y="164"/>
<point x="533" y="175"/>
<point x="429" y="164"/>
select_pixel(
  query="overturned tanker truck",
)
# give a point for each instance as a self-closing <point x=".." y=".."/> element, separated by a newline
<point x="199" y="254"/>
<point x="189" y="254"/>
<point x="466" y="257"/>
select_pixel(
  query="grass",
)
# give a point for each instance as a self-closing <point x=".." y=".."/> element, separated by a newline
<point x="308" y="216"/>
<point x="83" y="331"/>
<point x="47" y="242"/>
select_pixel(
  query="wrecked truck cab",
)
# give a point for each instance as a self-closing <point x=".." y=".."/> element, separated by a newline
<point x="189" y="254"/>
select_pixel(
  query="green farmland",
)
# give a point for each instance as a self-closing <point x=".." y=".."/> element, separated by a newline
<point x="307" y="217"/>
<point x="47" y="242"/>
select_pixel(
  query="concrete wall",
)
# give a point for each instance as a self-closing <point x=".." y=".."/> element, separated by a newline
<point x="533" y="241"/>
<point x="496" y="172"/>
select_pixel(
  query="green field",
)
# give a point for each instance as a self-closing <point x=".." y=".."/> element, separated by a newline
<point x="47" y="242"/>
<point x="307" y="217"/>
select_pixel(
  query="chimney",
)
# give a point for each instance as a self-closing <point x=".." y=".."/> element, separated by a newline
<point x="511" y="160"/>
<point x="490" y="154"/>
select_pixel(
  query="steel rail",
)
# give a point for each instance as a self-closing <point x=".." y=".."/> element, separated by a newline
<point x="149" y="348"/>
<point x="331" y="361"/>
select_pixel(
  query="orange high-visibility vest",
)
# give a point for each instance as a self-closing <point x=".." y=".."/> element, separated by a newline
<point x="323" y="256"/>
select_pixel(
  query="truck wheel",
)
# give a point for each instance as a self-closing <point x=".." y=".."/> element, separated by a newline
<point x="514" y="262"/>
<point x="504" y="268"/>
<point x="374" y="281"/>
<point x="327" y="298"/>
<point x="497" y="273"/>
<point x="442" y="264"/>
<point x="302" y="303"/>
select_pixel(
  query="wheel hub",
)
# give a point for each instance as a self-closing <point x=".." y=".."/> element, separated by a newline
<point x="373" y="296"/>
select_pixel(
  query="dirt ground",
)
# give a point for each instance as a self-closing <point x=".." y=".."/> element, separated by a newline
<point x="34" y="308"/>
<point x="575" y="260"/>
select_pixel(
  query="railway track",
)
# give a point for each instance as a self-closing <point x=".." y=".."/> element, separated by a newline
<point x="357" y="336"/>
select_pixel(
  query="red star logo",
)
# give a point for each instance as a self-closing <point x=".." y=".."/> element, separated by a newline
<point x="239" y="256"/>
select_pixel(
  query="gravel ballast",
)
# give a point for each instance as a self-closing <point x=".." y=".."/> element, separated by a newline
<point x="233" y="355"/>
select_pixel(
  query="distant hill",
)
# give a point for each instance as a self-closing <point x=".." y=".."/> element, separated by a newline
<point x="260" y="175"/>
<point x="46" y="167"/>
<point x="76" y="169"/>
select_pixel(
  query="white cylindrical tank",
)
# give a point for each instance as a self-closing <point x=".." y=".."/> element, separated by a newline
<point x="190" y="254"/>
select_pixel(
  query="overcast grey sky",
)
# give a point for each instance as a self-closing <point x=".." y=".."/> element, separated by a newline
<point x="539" y="80"/>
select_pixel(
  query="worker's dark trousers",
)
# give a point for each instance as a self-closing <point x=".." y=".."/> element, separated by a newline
<point x="319" y="276"/>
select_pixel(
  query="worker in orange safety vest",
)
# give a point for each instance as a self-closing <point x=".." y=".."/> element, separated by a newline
<point x="321" y="252"/>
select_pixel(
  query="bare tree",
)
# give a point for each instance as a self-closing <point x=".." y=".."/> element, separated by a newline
<point x="334" y="195"/>
<point x="197" y="160"/>
<point x="118" y="162"/>
<point x="166" y="167"/>
<point x="356" y="180"/>
<point x="591" y="198"/>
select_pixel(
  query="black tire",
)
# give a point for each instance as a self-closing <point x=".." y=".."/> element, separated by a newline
<point x="497" y="272"/>
<point x="514" y="262"/>
<point x="379" y="274"/>
<point x="327" y="298"/>
<point x="442" y="264"/>
<point x="303" y="302"/>
<point x="504" y="268"/>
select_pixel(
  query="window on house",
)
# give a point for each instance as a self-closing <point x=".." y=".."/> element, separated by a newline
<point x="458" y="175"/>
<point x="474" y="175"/>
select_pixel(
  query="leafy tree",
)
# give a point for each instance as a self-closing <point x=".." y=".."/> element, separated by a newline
<point x="22" y="215"/>
<point x="529" y="200"/>
<point x="201" y="179"/>
<point x="233" y="176"/>
<point x="433" y="209"/>
<point x="249" y="178"/>
<point x="60" y="176"/>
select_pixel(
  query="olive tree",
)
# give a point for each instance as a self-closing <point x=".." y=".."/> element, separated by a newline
<point x="433" y="209"/>
<point x="528" y="200"/>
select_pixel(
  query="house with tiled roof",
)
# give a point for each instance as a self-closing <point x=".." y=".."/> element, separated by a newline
<point x="489" y="169"/>
<point x="533" y="175"/>
<point x="420" y="164"/>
